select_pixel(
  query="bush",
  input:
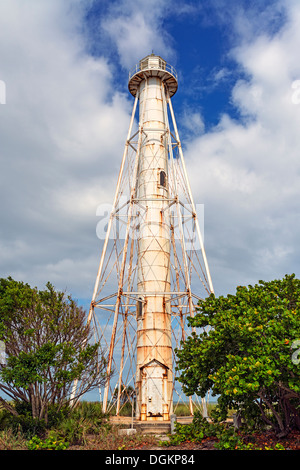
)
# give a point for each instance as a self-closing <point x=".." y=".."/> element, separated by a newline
<point x="245" y="353"/>
<point x="87" y="418"/>
<point x="47" y="346"/>
<point x="23" y="422"/>
<point x="51" y="443"/>
<point x="194" y="432"/>
<point x="226" y="436"/>
<point x="29" y="426"/>
<point x="64" y="425"/>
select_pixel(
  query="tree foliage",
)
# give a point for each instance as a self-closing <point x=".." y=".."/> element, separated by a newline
<point x="245" y="352"/>
<point x="48" y="348"/>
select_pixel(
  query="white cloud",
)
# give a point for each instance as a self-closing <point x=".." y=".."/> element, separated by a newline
<point x="63" y="128"/>
<point x="192" y="122"/>
<point x="221" y="74"/>
<point x="248" y="170"/>
<point x="63" y="131"/>
<point x="135" y="27"/>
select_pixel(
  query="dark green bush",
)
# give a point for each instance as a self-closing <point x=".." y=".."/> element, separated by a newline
<point x="226" y="436"/>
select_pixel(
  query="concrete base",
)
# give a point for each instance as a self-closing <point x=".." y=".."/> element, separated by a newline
<point x="153" y="427"/>
<point x="127" y="431"/>
<point x="146" y="427"/>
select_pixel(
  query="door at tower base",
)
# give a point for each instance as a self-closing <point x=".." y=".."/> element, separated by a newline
<point x="154" y="392"/>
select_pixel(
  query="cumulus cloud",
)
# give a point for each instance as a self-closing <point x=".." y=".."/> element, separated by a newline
<point x="191" y="122"/>
<point x="64" y="126"/>
<point x="249" y="169"/>
<point x="136" y="29"/>
<point x="59" y="134"/>
<point x="63" y="130"/>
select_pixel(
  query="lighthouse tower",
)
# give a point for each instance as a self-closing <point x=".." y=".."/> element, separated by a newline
<point x="153" y="267"/>
<point x="154" y="378"/>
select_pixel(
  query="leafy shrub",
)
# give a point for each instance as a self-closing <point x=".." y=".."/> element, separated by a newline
<point x="36" y="443"/>
<point x="29" y="426"/>
<point x="194" y="432"/>
<point x="47" y="348"/>
<point x="228" y="439"/>
<point x="87" y="418"/>
<point x="226" y="436"/>
<point x="244" y="353"/>
<point x="24" y="423"/>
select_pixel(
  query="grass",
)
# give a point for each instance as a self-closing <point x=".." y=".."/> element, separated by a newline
<point x="86" y="428"/>
<point x="183" y="409"/>
<point x="10" y="440"/>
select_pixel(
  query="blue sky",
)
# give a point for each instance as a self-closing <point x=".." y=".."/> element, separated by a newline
<point x="198" y="38"/>
<point x="65" y="64"/>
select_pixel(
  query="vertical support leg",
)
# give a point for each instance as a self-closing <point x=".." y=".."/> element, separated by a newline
<point x="122" y="269"/>
<point x="190" y="196"/>
<point x="124" y="331"/>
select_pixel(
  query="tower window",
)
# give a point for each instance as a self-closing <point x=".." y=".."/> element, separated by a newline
<point x="139" y="309"/>
<point x="162" y="178"/>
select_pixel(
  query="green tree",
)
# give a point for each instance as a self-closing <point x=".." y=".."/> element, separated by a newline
<point x="127" y="394"/>
<point x="244" y="352"/>
<point x="48" y="349"/>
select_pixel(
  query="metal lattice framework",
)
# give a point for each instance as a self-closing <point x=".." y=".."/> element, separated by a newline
<point x="116" y="298"/>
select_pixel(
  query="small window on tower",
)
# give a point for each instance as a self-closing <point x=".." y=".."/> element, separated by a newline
<point x="139" y="308"/>
<point x="162" y="178"/>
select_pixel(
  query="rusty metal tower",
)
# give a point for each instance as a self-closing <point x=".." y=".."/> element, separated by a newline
<point x="153" y="268"/>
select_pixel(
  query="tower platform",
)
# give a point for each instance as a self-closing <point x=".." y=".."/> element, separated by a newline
<point x="148" y="427"/>
<point x="153" y="66"/>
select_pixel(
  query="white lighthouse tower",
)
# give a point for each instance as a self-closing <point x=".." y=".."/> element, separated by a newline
<point x="153" y="267"/>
